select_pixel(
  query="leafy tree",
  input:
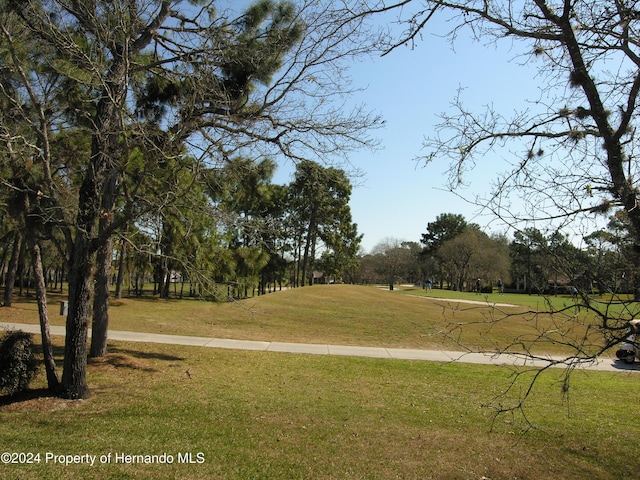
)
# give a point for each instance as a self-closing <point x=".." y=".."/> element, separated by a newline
<point x="249" y="262"/>
<point x="242" y="190"/>
<point x="569" y="261"/>
<point x="541" y="264"/>
<point x="319" y="208"/>
<point x="529" y="253"/>
<point x="612" y="257"/>
<point x="414" y="273"/>
<point x="274" y="238"/>
<point x="254" y="210"/>
<point x="472" y="255"/>
<point x="29" y="234"/>
<point x="158" y="76"/>
<point x="445" y="227"/>
<point x="27" y="199"/>
<point x="340" y="260"/>
<point x="393" y="259"/>
<point x="367" y="272"/>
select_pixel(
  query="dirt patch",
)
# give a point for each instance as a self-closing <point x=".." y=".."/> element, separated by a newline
<point x="42" y="400"/>
<point x="36" y="401"/>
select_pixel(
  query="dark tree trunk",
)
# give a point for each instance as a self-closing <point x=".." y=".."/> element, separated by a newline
<point x="311" y="236"/>
<point x="100" y="325"/>
<point x="74" y="376"/>
<point x="83" y="256"/>
<point x="10" y="279"/>
<point x="41" y="294"/>
<point x="120" y="279"/>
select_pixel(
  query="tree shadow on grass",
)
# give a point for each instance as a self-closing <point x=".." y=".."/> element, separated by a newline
<point x="58" y="350"/>
<point x="25" y="396"/>
<point x="121" y="360"/>
<point x="35" y="400"/>
<point x="144" y="298"/>
<point x="44" y="400"/>
<point x="58" y="354"/>
<point x="147" y="355"/>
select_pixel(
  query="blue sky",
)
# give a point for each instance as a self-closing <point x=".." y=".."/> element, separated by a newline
<point x="398" y="196"/>
<point x="409" y="87"/>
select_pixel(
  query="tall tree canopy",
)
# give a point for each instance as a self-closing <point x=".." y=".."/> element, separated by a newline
<point x="445" y="227"/>
<point x="321" y="213"/>
<point x="161" y="86"/>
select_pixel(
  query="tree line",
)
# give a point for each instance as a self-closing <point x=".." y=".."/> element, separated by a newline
<point x="454" y="254"/>
<point x="248" y="236"/>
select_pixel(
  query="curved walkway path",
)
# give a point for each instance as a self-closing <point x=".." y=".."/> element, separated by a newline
<point x="485" y="303"/>
<point x="341" y="350"/>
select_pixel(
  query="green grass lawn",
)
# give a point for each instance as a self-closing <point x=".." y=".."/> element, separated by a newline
<point x="334" y="314"/>
<point x="254" y="415"/>
<point x="619" y="303"/>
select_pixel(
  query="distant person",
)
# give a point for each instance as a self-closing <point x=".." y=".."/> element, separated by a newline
<point x="478" y="285"/>
<point x="427" y="285"/>
<point x="500" y="287"/>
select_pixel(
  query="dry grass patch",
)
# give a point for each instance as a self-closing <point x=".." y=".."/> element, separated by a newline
<point x="40" y="400"/>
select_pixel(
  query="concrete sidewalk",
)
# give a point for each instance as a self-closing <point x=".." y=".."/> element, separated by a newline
<point x="338" y="350"/>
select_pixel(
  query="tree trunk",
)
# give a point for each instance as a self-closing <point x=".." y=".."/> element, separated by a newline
<point x="62" y="278"/>
<point x="87" y="243"/>
<point x="74" y="376"/>
<point x="166" y="281"/>
<point x="120" y="279"/>
<point x="10" y="279"/>
<point x="20" y="273"/>
<point x="311" y="235"/>
<point x="297" y="262"/>
<point x="163" y="277"/>
<point x="3" y="265"/>
<point x="103" y="272"/>
<point x="100" y="324"/>
<point x="312" y="262"/>
<point x="41" y="294"/>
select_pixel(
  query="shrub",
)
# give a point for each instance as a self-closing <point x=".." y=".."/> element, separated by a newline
<point x="18" y="365"/>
